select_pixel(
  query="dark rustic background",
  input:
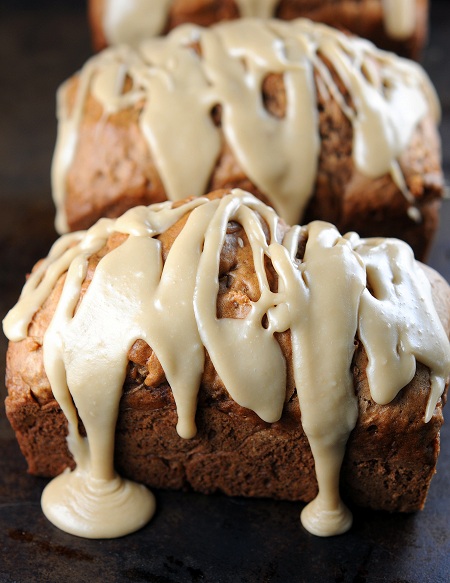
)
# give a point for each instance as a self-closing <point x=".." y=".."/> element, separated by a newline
<point x="192" y="538"/>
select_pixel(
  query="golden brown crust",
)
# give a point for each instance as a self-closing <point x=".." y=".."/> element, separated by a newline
<point x="391" y="454"/>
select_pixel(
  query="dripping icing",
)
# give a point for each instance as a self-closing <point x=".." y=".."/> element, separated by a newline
<point x="279" y="155"/>
<point x="133" y="294"/>
<point x="400" y="18"/>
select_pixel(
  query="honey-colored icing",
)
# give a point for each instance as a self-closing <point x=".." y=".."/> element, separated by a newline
<point x="179" y="88"/>
<point x="368" y="288"/>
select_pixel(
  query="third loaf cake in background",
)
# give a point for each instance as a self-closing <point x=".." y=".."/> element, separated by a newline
<point x="400" y="26"/>
<point x="319" y="124"/>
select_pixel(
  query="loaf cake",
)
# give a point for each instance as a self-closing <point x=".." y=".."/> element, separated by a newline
<point x="399" y="26"/>
<point x="315" y="123"/>
<point x="203" y="344"/>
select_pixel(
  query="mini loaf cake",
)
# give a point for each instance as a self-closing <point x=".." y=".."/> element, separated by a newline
<point x="396" y="25"/>
<point x="204" y="344"/>
<point x="315" y="123"/>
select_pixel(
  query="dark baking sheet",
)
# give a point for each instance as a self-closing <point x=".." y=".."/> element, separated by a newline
<point x="192" y="538"/>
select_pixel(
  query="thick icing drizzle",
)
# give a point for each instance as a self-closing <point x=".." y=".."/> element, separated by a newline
<point x="179" y="88"/>
<point x="134" y="295"/>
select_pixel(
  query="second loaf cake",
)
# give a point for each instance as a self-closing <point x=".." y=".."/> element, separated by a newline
<point x="397" y="25"/>
<point x="317" y="124"/>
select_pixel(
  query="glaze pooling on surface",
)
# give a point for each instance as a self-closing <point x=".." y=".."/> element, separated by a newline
<point x="171" y="305"/>
<point x="127" y="20"/>
<point x="179" y="86"/>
